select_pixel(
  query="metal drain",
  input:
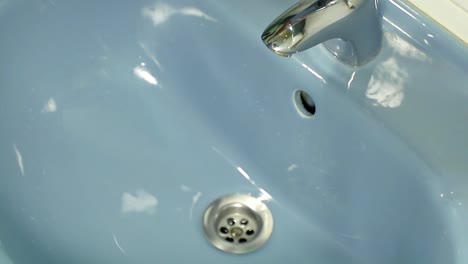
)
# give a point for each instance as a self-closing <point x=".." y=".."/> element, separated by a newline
<point x="238" y="223"/>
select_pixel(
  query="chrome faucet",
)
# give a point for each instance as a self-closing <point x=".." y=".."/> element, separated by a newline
<point x="349" y="29"/>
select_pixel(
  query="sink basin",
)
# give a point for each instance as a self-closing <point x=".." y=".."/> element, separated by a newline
<point x="121" y="122"/>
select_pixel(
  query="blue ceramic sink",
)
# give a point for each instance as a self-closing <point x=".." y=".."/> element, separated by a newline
<point x="123" y="120"/>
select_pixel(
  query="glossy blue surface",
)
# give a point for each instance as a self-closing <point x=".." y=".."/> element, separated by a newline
<point x="122" y="121"/>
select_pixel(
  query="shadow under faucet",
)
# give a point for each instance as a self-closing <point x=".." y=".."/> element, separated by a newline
<point x="349" y="29"/>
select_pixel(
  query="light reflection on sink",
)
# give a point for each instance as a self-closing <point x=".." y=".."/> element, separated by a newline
<point x="122" y="122"/>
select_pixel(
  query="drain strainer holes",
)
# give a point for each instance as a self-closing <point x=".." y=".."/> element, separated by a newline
<point x="231" y="222"/>
<point x="238" y="223"/>
<point x="224" y="230"/>
<point x="304" y="103"/>
<point x="241" y="223"/>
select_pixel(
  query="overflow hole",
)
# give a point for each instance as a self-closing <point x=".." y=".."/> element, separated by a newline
<point x="304" y="103"/>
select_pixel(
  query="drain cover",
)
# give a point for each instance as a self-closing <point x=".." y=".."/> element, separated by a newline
<point x="238" y="223"/>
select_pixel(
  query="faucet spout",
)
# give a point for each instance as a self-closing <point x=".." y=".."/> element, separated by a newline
<point x="350" y="29"/>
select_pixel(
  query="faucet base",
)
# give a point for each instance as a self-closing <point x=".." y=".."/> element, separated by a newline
<point x="342" y="50"/>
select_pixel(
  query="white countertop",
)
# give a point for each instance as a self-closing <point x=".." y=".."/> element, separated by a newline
<point x="451" y="14"/>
